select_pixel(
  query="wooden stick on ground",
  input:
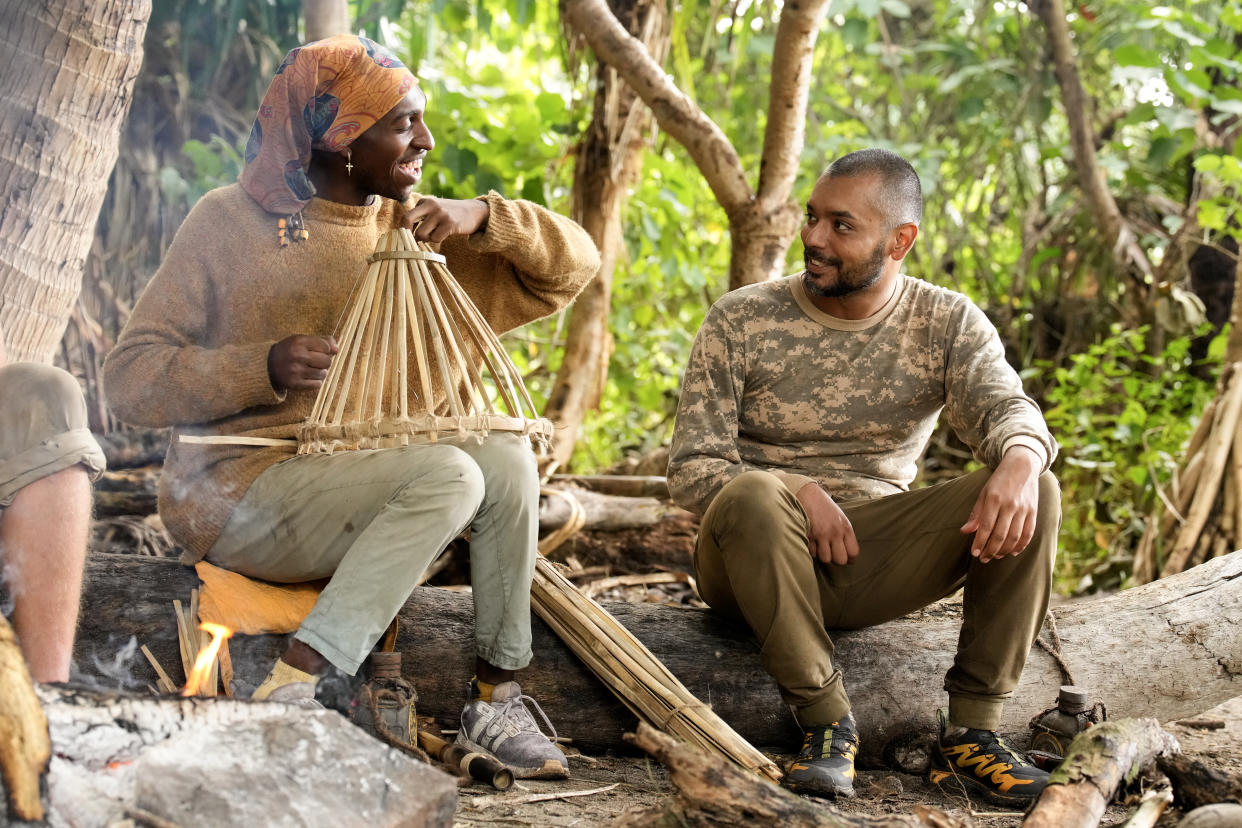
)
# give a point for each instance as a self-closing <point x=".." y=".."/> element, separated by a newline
<point x="25" y="746"/>
<point x="1097" y="763"/>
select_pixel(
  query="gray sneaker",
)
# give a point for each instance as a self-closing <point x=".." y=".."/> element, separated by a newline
<point x="299" y="693"/>
<point x="504" y="728"/>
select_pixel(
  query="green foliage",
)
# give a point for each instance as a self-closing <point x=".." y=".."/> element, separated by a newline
<point x="1123" y="417"/>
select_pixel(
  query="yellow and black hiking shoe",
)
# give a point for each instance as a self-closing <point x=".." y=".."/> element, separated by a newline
<point x="979" y="763"/>
<point x="825" y="765"/>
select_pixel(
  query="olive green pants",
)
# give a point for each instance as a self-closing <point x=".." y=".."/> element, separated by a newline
<point x="753" y="562"/>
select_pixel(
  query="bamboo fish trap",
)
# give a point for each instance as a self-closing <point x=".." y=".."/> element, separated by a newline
<point x="409" y="315"/>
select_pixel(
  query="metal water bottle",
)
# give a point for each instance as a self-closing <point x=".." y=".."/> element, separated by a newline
<point x="1056" y="727"/>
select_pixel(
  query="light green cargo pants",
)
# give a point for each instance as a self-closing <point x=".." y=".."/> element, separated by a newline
<point x="373" y="521"/>
<point x="43" y="428"/>
<point x="753" y="563"/>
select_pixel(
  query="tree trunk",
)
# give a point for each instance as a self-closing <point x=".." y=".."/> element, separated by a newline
<point x="1117" y="234"/>
<point x="609" y="161"/>
<point x="325" y="18"/>
<point x="69" y="68"/>
<point x="1164" y="650"/>
<point x="763" y="220"/>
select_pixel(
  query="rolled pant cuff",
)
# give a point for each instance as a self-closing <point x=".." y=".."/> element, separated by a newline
<point x="347" y="663"/>
<point x="981" y="714"/>
<point x="832" y="708"/>
<point x="501" y="661"/>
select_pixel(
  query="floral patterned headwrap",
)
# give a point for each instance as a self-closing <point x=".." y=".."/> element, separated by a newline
<point x="325" y="94"/>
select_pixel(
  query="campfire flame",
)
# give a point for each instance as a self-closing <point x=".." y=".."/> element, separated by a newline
<point x="200" y="675"/>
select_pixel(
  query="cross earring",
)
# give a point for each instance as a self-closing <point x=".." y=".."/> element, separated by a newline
<point x="349" y="163"/>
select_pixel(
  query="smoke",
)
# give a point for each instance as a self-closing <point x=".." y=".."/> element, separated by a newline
<point x="10" y="585"/>
<point x="112" y="672"/>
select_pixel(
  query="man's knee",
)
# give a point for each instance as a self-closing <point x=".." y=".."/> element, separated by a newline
<point x="752" y="511"/>
<point x="43" y="393"/>
<point x="509" y="468"/>
<point x="1049" y="500"/>
<point x="451" y="474"/>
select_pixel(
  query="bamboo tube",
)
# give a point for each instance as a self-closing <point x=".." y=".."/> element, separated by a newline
<point x="1215" y="448"/>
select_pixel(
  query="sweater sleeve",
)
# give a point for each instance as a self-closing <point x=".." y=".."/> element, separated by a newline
<point x="984" y="400"/>
<point x="163" y="370"/>
<point x="527" y="263"/>
<point x="704" y="454"/>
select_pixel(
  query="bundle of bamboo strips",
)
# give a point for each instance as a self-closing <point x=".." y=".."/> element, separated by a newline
<point x="1200" y="518"/>
<point x="633" y="673"/>
<point x="408" y="314"/>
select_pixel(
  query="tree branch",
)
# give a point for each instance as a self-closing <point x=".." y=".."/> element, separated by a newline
<point x="677" y="115"/>
<point x="1082" y="140"/>
<point x="789" y="88"/>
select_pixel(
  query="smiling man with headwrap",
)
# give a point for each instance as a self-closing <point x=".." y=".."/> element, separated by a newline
<point x="233" y="337"/>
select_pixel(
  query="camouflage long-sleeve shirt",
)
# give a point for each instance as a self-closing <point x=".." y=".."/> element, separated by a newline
<point x="776" y="384"/>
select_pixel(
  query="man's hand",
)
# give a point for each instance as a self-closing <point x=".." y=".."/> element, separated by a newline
<point x="435" y="219"/>
<point x="831" y="536"/>
<point x="300" y="363"/>
<point x="1003" y="519"/>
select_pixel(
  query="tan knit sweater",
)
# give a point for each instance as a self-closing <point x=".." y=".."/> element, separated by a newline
<point x="194" y="353"/>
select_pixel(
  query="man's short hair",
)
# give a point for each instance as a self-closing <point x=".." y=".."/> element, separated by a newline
<point x="901" y="194"/>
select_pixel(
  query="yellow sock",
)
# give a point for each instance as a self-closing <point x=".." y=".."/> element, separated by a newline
<point x="281" y="675"/>
<point x="485" y="689"/>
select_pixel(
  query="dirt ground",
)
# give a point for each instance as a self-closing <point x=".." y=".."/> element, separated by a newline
<point x="602" y="788"/>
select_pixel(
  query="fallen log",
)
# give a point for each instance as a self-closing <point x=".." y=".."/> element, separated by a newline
<point x="134" y="447"/>
<point x="712" y="794"/>
<point x="130" y="492"/>
<point x="605" y="512"/>
<point x="1169" y="649"/>
<point x="1196" y="783"/>
<point x="626" y="485"/>
<point x="1099" y="761"/>
<point x="133" y="491"/>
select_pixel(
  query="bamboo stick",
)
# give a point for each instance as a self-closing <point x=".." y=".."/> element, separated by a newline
<point x="636" y="676"/>
<point x="1216" y="449"/>
<point x="183" y="640"/>
<point x="163" y="681"/>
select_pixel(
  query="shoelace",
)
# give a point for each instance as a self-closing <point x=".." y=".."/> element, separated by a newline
<point x="839" y="743"/>
<point x="516" y="707"/>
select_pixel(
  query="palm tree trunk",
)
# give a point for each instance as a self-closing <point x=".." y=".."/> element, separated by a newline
<point x="69" y="68"/>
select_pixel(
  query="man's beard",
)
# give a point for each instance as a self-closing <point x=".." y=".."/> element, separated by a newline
<point x="849" y="279"/>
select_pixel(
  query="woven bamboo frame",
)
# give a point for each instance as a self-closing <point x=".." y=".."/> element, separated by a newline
<point x="409" y="316"/>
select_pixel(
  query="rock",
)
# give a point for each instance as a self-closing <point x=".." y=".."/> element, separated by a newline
<point x="1220" y="815"/>
<point x="212" y="762"/>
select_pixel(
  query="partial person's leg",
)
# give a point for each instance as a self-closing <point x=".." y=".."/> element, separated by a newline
<point x="504" y="539"/>
<point x="752" y="562"/>
<point x="371" y="521"/>
<point x="43" y="538"/>
<point x="47" y="460"/>
<point x="914" y="553"/>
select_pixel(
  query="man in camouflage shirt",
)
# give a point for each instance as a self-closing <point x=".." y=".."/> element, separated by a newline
<point x="806" y="407"/>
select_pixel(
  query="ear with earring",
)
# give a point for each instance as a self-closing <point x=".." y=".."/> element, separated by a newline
<point x="349" y="162"/>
